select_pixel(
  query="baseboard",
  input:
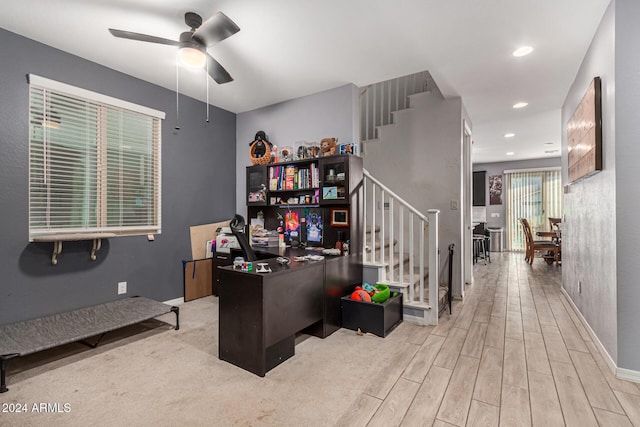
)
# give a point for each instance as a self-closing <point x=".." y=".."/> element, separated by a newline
<point x="603" y="351"/>
<point x="621" y="373"/>
<point x="628" y="374"/>
<point x="175" y="301"/>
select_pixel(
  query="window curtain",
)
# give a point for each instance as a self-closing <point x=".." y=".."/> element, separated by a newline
<point x="535" y="195"/>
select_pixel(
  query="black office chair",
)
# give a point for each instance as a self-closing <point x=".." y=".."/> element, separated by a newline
<point x="238" y="228"/>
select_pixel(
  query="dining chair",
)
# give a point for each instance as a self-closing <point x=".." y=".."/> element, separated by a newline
<point x="553" y="223"/>
<point x="548" y="248"/>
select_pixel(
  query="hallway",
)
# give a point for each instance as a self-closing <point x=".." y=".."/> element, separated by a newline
<point x="514" y="354"/>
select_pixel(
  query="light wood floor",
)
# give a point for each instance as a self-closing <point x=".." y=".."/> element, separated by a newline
<point x="513" y="354"/>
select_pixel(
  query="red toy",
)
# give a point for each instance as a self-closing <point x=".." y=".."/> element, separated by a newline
<point x="360" y="295"/>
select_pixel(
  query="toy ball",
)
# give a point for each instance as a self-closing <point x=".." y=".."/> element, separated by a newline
<point x="360" y="295"/>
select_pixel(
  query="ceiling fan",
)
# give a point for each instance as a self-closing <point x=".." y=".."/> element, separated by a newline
<point x="193" y="43"/>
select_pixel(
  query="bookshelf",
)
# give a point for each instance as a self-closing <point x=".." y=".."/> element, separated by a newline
<point x="313" y="188"/>
<point x="320" y="181"/>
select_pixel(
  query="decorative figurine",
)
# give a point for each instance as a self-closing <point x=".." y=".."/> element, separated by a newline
<point x="260" y="151"/>
<point x="328" y="146"/>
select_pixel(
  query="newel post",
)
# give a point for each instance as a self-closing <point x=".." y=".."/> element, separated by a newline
<point x="434" y="264"/>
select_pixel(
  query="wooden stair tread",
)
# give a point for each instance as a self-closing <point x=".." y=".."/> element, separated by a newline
<point x="442" y="298"/>
<point x="408" y="275"/>
<point x="377" y="245"/>
<point x="368" y="229"/>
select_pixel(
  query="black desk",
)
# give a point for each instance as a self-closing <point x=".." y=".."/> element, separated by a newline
<point x="261" y="313"/>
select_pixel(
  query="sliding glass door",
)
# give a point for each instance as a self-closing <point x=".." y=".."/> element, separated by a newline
<point x="535" y="195"/>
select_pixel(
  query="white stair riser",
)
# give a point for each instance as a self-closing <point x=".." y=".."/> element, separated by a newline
<point x="372" y="273"/>
<point x="419" y="316"/>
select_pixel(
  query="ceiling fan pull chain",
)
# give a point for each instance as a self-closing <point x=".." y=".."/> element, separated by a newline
<point x="206" y="77"/>
<point x="177" y="95"/>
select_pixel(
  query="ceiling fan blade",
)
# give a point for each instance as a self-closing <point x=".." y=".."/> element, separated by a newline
<point x="217" y="71"/>
<point x="142" y="37"/>
<point x="215" y="29"/>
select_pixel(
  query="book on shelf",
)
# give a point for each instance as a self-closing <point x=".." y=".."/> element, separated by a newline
<point x="289" y="177"/>
<point x="273" y="178"/>
<point x="292" y="177"/>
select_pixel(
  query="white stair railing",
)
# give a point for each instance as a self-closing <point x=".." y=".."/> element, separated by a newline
<point x="380" y="243"/>
<point x="378" y="101"/>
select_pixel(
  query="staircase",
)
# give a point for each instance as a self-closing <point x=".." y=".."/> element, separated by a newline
<point x="401" y="250"/>
<point x="379" y="101"/>
<point x="400" y="244"/>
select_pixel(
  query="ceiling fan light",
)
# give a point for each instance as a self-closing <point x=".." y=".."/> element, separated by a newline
<point x="192" y="57"/>
<point x="522" y="51"/>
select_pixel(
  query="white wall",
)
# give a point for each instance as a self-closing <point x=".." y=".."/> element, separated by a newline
<point x="332" y="113"/>
<point x="420" y="158"/>
<point x="589" y="227"/>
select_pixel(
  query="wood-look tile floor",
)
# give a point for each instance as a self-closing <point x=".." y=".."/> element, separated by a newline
<point x="514" y="353"/>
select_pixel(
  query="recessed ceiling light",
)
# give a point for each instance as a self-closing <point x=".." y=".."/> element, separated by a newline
<point x="509" y="135"/>
<point x="522" y="51"/>
<point x="520" y="105"/>
<point x="510" y="153"/>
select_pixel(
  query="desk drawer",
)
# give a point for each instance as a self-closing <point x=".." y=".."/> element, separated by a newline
<point x="220" y="259"/>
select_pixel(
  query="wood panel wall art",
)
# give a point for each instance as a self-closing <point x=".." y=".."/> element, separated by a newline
<point x="584" y="135"/>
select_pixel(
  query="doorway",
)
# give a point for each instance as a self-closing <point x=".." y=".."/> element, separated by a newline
<point x="535" y="195"/>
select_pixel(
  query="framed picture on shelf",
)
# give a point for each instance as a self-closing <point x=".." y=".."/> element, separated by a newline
<point x="339" y="217"/>
<point x="330" y="193"/>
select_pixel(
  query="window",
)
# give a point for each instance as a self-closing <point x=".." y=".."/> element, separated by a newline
<point x="535" y="195"/>
<point x="94" y="163"/>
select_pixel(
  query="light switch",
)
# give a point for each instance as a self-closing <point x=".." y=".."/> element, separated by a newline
<point x="454" y="205"/>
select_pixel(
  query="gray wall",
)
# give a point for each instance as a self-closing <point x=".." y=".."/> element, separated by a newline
<point x="332" y="113"/>
<point x="197" y="163"/>
<point x="589" y="227"/>
<point x="420" y="158"/>
<point x="627" y="108"/>
<point x="498" y="168"/>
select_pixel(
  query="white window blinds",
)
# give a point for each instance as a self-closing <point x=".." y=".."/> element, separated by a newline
<point x="94" y="163"/>
<point x="534" y="195"/>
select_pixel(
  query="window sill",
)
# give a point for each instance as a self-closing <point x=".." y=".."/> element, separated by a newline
<point x="57" y="240"/>
<point x="71" y="237"/>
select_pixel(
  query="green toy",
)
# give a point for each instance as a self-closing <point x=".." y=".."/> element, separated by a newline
<point x="382" y="295"/>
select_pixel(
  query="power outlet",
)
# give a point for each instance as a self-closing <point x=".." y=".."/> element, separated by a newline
<point x="122" y="288"/>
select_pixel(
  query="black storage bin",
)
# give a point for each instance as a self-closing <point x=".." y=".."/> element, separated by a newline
<point x="378" y="319"/>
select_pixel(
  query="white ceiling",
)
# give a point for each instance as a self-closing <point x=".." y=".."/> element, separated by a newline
<point x="290" y="48"/>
